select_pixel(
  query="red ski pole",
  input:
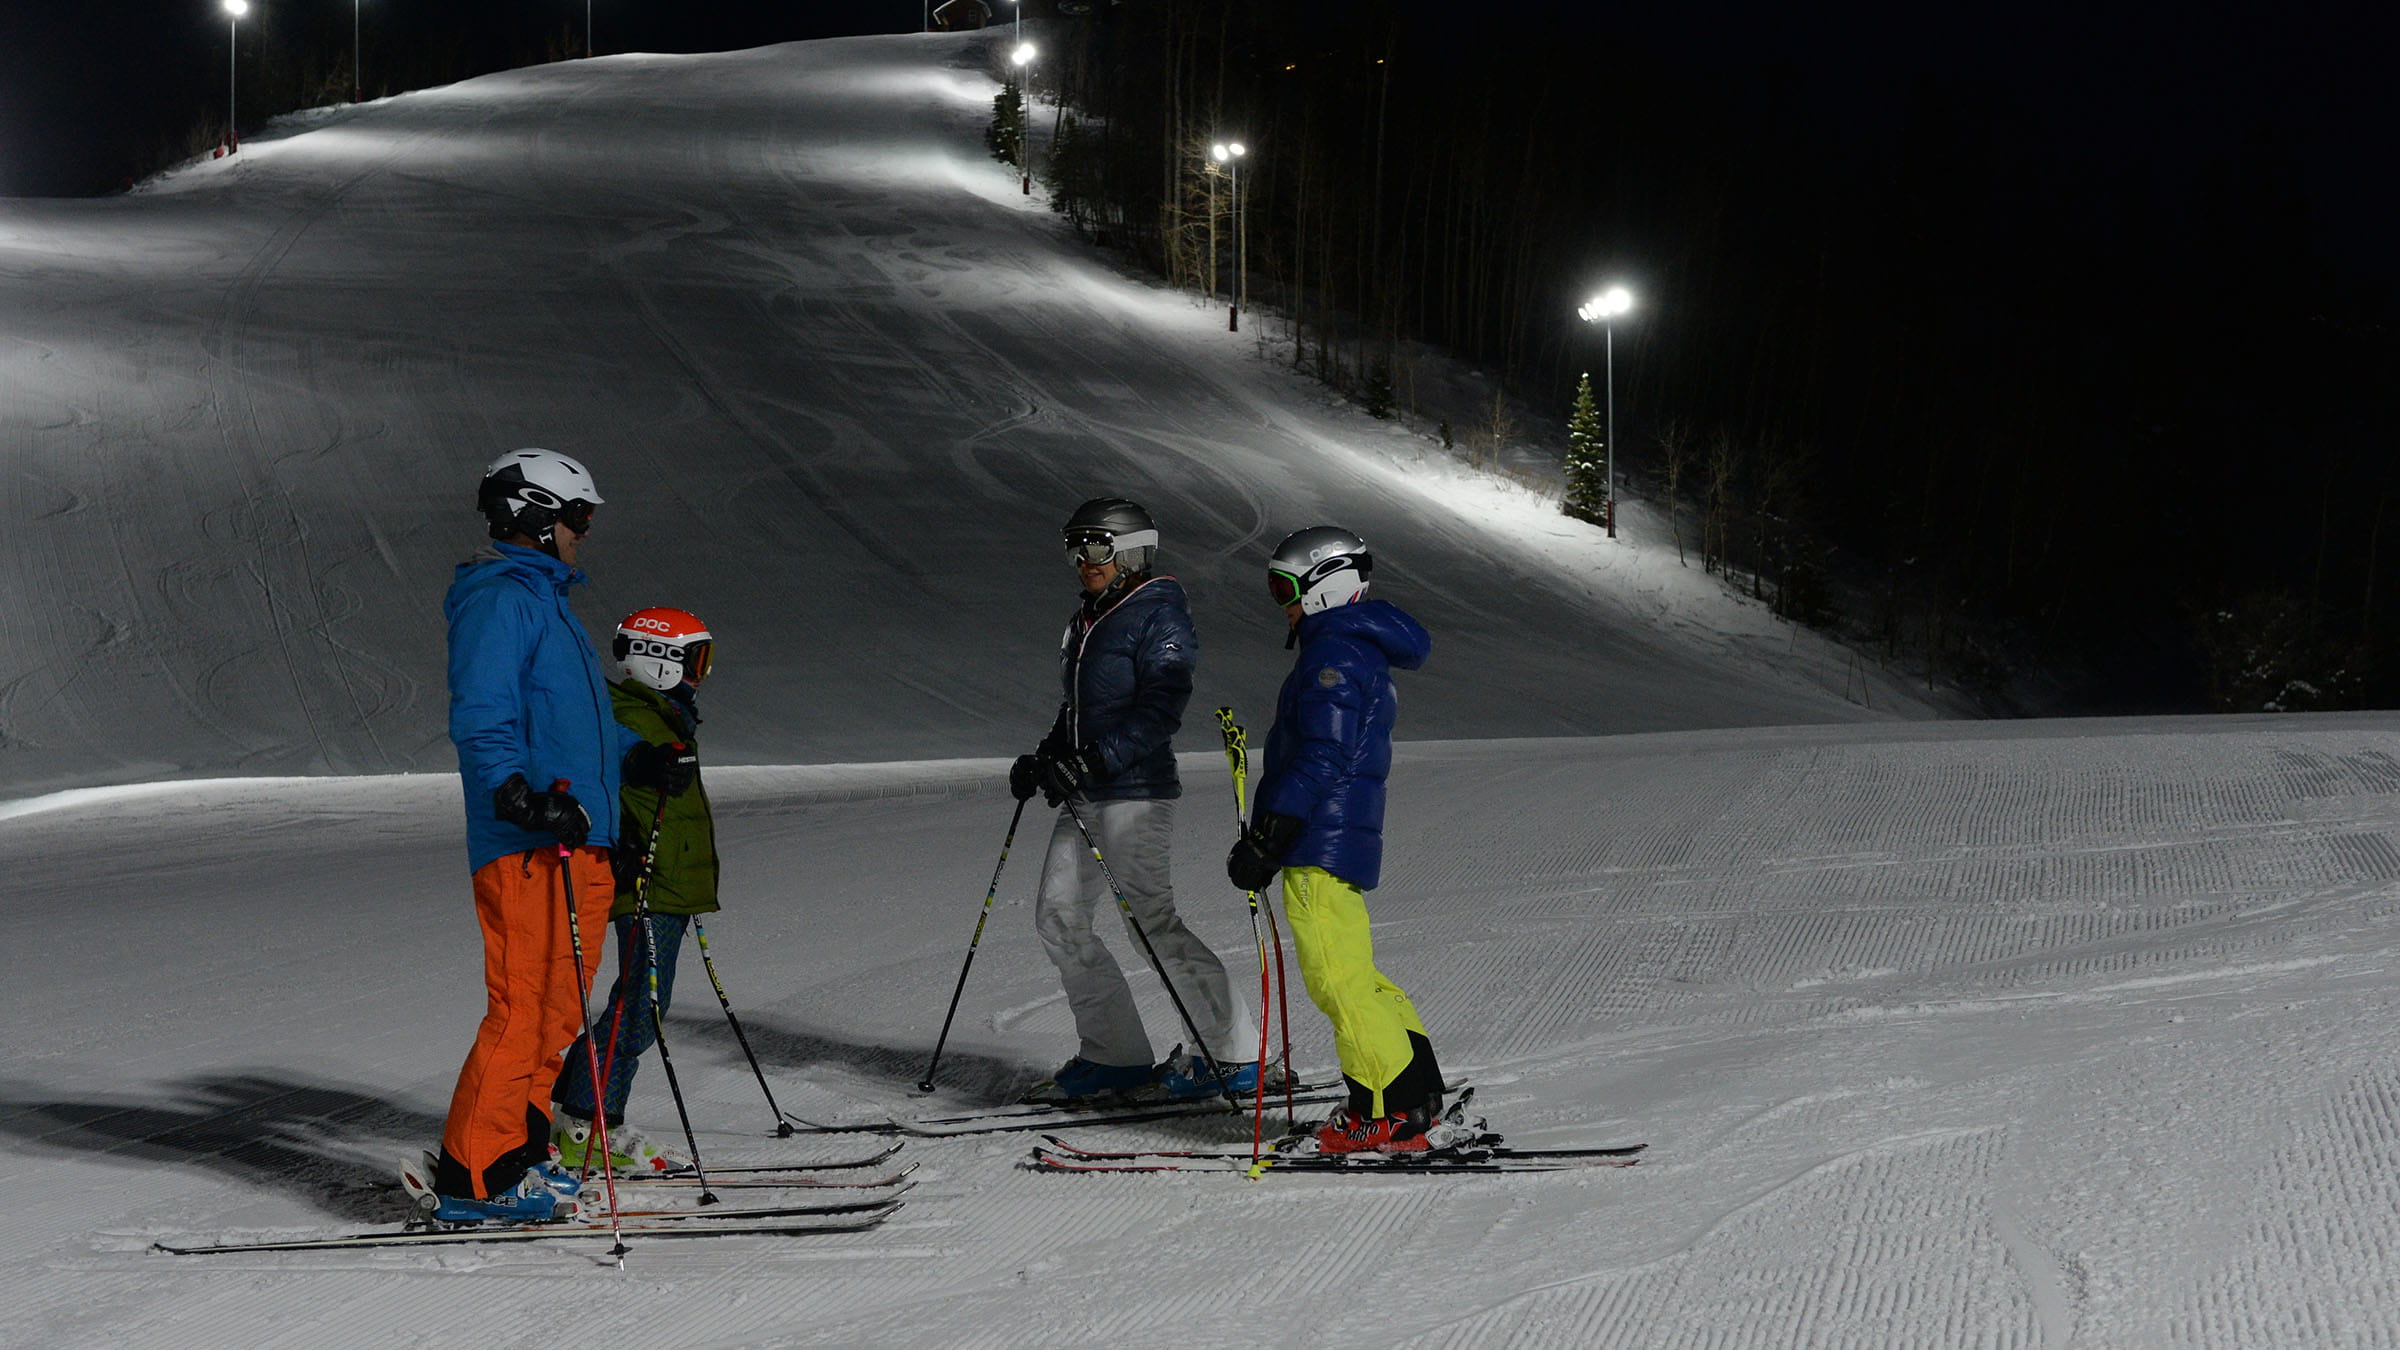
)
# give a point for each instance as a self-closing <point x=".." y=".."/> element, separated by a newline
<point x="583" y="991"/>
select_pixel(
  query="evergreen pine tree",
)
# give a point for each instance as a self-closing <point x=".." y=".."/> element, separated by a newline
<point x="1587" y="459"/>
<point x="1005" y="133"/>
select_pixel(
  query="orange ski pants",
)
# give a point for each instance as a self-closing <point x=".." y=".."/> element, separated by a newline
<point x="534" y="1008"/>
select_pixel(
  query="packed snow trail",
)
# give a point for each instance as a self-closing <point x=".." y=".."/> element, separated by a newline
<point x="2030" y="1034"/>
<point x="838" y="381"/>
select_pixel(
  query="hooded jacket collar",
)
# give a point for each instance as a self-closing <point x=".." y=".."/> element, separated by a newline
<point x="530" y="564"/>
<point x="1379" y="623"/>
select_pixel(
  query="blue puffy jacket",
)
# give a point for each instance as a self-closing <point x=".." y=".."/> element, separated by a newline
<point x="527" y="696"/>
<point x="1127" y="675"/>
<point x="1331" y="747"/>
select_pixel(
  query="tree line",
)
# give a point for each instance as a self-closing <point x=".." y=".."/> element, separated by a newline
<point x="2063" y="427"/>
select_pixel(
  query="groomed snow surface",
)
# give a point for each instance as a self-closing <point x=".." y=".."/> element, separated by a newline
<point x="1941" y="1033"/>
<point x="2033" y="1035"/>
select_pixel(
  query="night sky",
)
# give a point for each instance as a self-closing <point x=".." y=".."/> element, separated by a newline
<point x="90" y="88"/>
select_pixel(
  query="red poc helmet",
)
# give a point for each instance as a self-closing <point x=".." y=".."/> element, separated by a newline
<point x="663" y="647"/>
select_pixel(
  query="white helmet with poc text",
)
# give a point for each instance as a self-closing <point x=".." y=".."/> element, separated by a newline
<point x="1319" y="568"/>
<point x="664" y="648"/>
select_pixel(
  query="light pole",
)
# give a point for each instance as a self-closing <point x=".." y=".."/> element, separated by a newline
<point x="1603" y="309"/>
<point x="234" y="10"/>
<point x="1230" y="155"/>
<point x="1022" y="57"/>
<point x="358" y="79"/>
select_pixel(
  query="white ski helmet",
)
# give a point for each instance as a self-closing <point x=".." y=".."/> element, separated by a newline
<point x="663" y="647"/>
<point x="529" y="491"/>
<point x="1319" y="568"/>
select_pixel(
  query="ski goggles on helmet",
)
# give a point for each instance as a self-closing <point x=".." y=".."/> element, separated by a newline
<point x="694" y="657"/>
<point x="1095" y="548"/>
<point x="1286" y="587"/>
<point x="1099" y="548"/>
<point x="577" y="516"/>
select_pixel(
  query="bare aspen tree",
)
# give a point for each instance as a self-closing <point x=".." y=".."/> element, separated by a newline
<point x="1675" y="441"/>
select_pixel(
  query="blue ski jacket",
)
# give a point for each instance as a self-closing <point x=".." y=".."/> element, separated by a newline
<point x="527" y="696"/>
<point x="1331" y="746"/>
<point x="1127" y="674"/>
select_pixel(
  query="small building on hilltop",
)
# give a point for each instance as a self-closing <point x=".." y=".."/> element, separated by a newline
<point x="958" y="16"/>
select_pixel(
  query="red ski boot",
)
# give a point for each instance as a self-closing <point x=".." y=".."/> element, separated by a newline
<point x="1347" y="1132"/>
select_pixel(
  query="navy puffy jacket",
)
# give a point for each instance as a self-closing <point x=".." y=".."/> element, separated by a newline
<point x="1127" y="676"/>
<point x="527" y="696"/>
<point x="1331" y="746"/>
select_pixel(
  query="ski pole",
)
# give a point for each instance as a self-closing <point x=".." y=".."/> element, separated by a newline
<point x="1237" y="753"/>
<point x="1237" y="759"/>
<point x="783" y="1123"/>
<point x="926" y="1084"/>
<point x="666" y="1061"/>
<point x="658" y="1013"/>
<point x="583" y="1010"/>
<point x="1135" y="924"/>
<point x="616" y="1018"/>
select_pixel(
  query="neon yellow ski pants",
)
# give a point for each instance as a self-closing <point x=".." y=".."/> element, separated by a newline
<point x="1371" y="1015"/>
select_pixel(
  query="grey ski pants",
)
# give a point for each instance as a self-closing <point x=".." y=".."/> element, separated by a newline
<point x="1135" y="837"/>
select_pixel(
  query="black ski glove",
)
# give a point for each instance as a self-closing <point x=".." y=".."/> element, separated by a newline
<point x="1025" y="776"/>
<point x="555" y="813"/>
<point x="669" y="768"/>
<point x="1067" y="775"/>
<point x="1258" y="854"/>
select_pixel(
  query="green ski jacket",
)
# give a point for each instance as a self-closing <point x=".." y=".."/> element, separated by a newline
<point x="683" y="877"/>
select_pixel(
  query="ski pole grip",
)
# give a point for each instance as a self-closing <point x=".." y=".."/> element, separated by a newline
<point x="561" y="785"/>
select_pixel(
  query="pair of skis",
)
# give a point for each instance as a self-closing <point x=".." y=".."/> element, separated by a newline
<point x="1482" y="1154"/>
<point x="1460" y="1143"/>
<point x="854" y="1213"/>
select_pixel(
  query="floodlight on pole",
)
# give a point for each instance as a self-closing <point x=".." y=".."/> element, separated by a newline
<point x="1229" y="154"/>
<point x="1022" y="59"/>
<point x="1604" y="309"/>
<point x="234" y="10"/>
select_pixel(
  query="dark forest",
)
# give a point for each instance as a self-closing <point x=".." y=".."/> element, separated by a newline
<point x="2067" y="418"/>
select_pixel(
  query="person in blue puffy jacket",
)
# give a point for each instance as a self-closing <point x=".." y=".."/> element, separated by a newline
<point x="538" y="740"/>
<point x="1319" y="821"/>
<point x="1126" y="666"/>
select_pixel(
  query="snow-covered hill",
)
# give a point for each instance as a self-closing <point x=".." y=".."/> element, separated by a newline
<point x="838" y="380"/>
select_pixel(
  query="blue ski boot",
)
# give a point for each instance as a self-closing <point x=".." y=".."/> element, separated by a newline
<point x="1079" y="1079"/>
<point x="536" y="1198"/>
<point x="1186" y="1078"/>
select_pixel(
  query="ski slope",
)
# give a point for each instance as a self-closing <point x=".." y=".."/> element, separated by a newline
<point x="1941" y="1033"/>
<point x="2069" y="1033"/>
<point x="838" y="380"/>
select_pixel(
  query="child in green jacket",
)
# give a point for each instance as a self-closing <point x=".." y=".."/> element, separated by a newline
<point x="667" y="852"/>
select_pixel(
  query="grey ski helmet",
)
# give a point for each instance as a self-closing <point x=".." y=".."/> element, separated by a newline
<point x="1112" y="529"/>
<point x="528" y="492"/>
<point x="1319" y="568"/>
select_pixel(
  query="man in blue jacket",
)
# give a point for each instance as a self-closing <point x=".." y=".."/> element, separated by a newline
<point x="1126" y="664"/>
<point x="1319" y="820"/>
<point x="537" y="740"/>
